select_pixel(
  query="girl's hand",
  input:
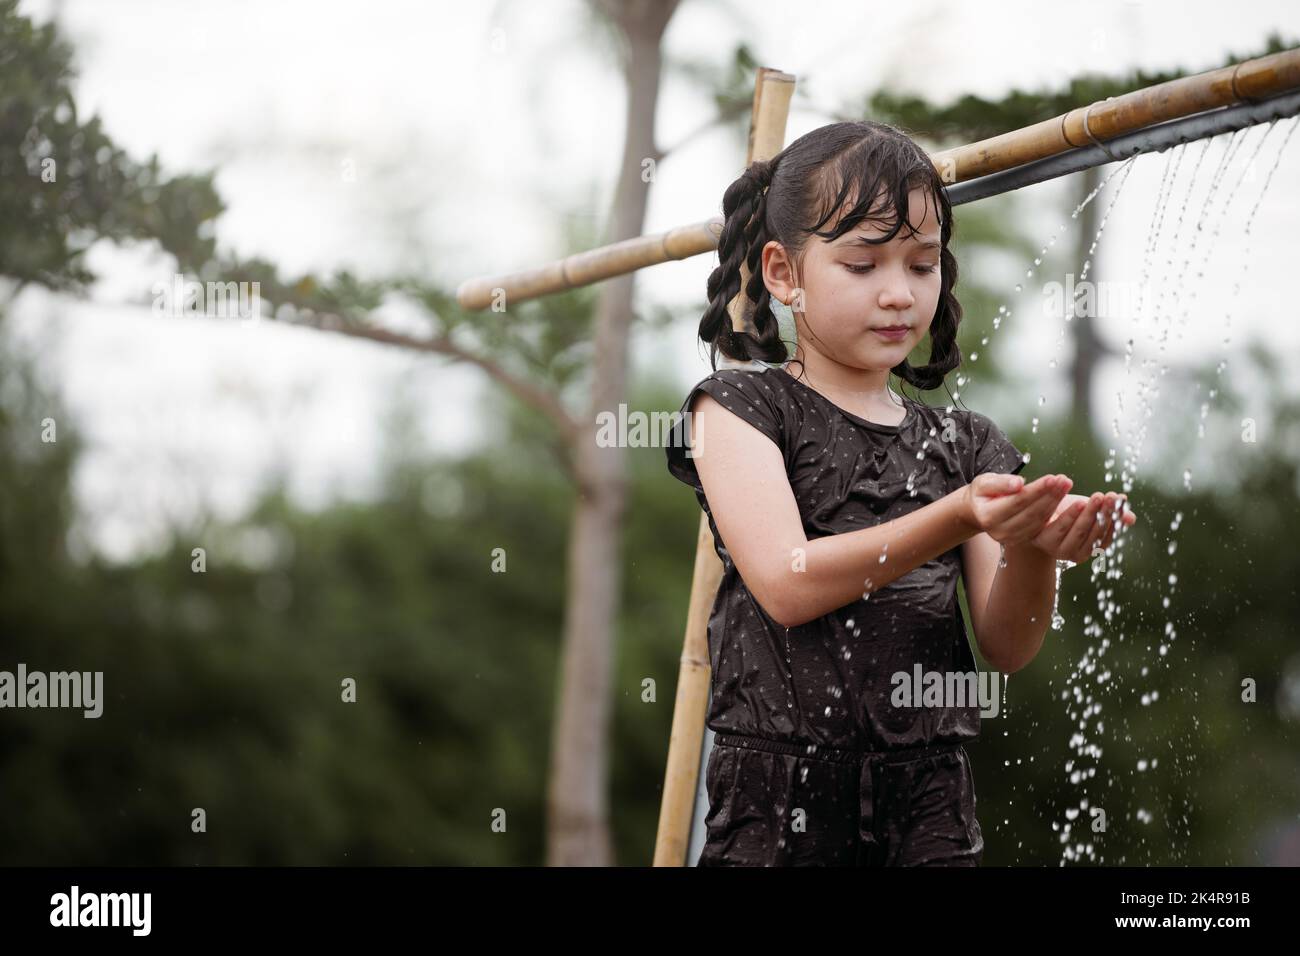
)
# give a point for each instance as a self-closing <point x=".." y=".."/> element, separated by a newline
<point x="1010" y="511"/>
<point x="1082" y="526"/>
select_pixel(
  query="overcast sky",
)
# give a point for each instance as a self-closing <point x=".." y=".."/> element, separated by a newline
<point x="470" y="129"/>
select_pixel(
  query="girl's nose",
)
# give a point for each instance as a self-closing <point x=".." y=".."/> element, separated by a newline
<point x="897" y="293"/>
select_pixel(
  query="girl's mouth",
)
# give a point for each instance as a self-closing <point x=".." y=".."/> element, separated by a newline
<point x="893" y="334"/>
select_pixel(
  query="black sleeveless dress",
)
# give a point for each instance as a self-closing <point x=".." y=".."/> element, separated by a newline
<point x="804" y="714"/>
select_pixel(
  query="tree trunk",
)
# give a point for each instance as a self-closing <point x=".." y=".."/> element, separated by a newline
<point x="577" y="805"/>
<point x="1089" y="350"/>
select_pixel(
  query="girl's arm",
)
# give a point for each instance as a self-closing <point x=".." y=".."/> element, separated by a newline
<point x="797" y="580"/>
<point x="1010" y="607"/>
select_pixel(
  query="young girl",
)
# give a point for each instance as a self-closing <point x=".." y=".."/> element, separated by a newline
<point x="844" y="512"/>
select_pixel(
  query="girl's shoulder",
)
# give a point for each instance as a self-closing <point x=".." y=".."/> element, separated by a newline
<point x="755" y="394"/>
<point x="756" y="375"/>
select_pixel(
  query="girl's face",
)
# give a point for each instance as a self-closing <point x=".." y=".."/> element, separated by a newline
<point x="851" y="290"/>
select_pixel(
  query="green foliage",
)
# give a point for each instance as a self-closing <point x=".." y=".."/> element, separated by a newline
<point x="66" y="184"/>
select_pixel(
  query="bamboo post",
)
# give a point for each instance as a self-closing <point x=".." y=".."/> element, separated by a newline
<point x="772" y="92"/>
<point x="1246" y="82"/>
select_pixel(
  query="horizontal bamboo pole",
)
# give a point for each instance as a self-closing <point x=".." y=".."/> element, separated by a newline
<point x="1244" y="82"/>
<point x="584" y="268"/>
<point x="1174" y="99"/>
<point x="1149" y="139"/>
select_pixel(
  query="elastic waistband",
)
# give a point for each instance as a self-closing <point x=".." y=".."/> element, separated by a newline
<point x="833" y="754"/>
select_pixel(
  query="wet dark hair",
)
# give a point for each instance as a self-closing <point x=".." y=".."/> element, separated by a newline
<point x="793" y="196"/>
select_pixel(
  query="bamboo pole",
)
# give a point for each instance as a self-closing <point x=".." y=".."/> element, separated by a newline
<point x="1098" y="122"/>
<point x="772" y="92"/>
<point x="1246" y="82"/>
<point x="1149" y="139"/>
<point x="585" y="268"/>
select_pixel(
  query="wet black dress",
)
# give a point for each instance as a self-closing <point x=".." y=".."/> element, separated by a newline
<point x="812" y="763"/>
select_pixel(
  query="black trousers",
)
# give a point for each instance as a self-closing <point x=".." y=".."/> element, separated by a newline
<point x="779" y="804"/>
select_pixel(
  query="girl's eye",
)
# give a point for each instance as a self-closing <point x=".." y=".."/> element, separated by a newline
<point x="867" y="267"/>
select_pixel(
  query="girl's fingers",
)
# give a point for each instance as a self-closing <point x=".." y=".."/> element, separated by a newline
<point x="1029" y="522"/>
<point x="1107" y="537"/>
<point x="1105" y="517"/>
<point x="1003" y="509"/>
<point x="1098" y="529"/>
<point x="1044" y="512"/>
<point x="1041" y="511"/>
<point x="1032" y="506"/>
<point x="1082" y="527"/>
<point x="1061" y="523"/>
<point x="1067" y="525"/>
<point x="1047" y="485"/>
<point x="1052" y="537"/>
<point x="1031" y="518"/>
<point x="1116" y="519"/>
<point x="1070" y="501"/>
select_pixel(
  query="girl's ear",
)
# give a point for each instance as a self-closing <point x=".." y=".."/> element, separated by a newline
<point x="778" y="273"/>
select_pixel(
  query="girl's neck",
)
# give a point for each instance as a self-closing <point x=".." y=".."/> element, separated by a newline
<point x="852" y="388"/>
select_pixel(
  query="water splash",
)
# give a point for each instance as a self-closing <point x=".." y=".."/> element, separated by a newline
<point x="1166" y="321"/>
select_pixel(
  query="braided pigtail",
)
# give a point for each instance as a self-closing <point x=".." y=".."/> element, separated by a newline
<point x="945" y="354"/>
<point x="744" y="233"/>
